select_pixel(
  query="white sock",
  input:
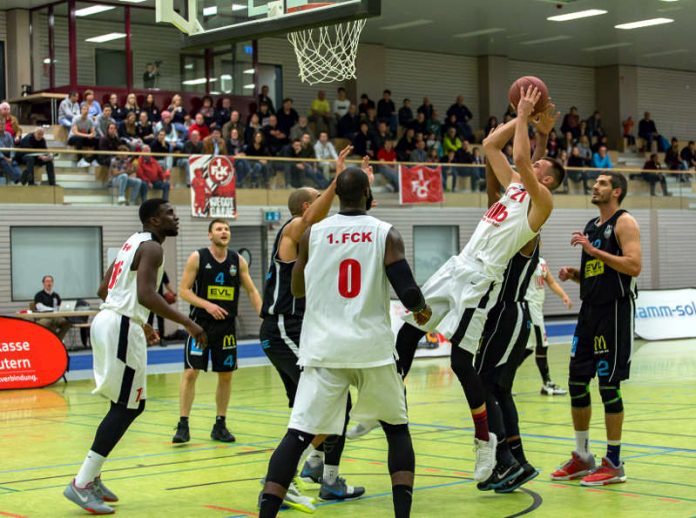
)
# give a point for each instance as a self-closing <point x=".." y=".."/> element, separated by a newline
<point x="582" y="443"/>
<point x="91" y="467"/>
<point x="330" y="474"/>
<point x="315" y="458"/>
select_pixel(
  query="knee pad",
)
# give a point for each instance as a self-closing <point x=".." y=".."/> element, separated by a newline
<point x="611" y="397"/>
<point x="401" y="455"/>
<point x="579" y="393"/>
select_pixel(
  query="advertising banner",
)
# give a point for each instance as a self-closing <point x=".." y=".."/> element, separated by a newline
<point x="213" y="186"/>
<point x="420" y="184"/>
<point x="666" y="314"/>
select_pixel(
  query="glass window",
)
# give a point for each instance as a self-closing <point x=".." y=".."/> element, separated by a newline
<point x="233" y="70"/>
<point x="101" y="45"/>
<point x="432" y="246"/>
<point x="74" y="261"/>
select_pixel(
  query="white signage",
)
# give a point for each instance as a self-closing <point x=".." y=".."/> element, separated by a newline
<point x="666" y="314"/>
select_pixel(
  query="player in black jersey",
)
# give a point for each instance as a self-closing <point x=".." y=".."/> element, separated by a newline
<point x="603" y="341"/>
<point x="282" y="324"/>
<point x="210" y="283"/>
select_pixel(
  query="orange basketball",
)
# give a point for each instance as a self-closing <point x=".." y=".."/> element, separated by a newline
<point x="169" y="297"/>
<point x="525" y="82"/>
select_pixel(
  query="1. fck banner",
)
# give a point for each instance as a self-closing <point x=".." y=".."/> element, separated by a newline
<point x="420" y="184"/>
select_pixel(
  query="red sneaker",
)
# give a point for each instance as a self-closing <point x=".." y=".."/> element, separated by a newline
<point x="576" y="467"/>
<point x="607" y="473"/>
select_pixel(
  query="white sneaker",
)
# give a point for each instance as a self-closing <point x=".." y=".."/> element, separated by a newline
<point x="296" y="500"/>
<point x="83" y="163"/>
<point x="485" y="457"/>
<point x="121" y="200"/>
<point x="551" y="389"/>
<point x="361" y="429"/>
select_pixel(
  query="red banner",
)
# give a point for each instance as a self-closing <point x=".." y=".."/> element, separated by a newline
<point x="31" y="356"/>
<point x="213" y="186"/>
<point x="420" y="184"/>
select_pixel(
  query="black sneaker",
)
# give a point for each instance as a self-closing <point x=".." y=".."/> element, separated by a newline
<point x="182" y="434"/>
<point x="222" y="434"/>
<point x="502" y="473"/>
<point x="528" y="473"/>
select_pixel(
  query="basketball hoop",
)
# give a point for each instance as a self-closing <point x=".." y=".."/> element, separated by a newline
<point x="326" y="54"/>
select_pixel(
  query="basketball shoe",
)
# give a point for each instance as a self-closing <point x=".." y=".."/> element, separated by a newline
<point x="221" y="433"/>
<point x="606" y="474"/>
<point x="485" y="457"/>
<point x="293" y="499"/>
<point x="312" y="475"/>
<point x="502" y="474"/>
<point x="87" y="498"/>
<point x="528" y="473"/>
<point x="182" y="434"/>
<point x="103" y="492"/>
<point x="551" y="389"/>
<point x="576" y="467"/>
<point x="361" y="429"/>
<point x="339" y="490"/>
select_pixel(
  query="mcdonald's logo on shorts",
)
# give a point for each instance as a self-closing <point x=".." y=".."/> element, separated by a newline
<point x="229" y="342"/>
<point x="600" y="343"/>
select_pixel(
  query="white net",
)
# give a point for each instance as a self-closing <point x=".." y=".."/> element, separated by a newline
<point x="327" y="54"/>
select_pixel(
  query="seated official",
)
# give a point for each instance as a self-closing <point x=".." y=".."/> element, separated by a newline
<point x="48" y="300"/>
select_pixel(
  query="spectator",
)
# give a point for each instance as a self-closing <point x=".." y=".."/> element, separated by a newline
<point x="128" y="132"/>
<point x="628" y="131"/>
<point x="386" y="157"/>
<point x="152" y="175"/>
<point x="601" y="160"/>
<point x="382" y="135"/>
<point x="300" y="129"/>
<point x="222" y="115"/>
<point x="172" y="135"/>
<point x="103" y="121"/>
<point x="208" y="111"/>
<point x="234" y="122"/>
<point x="477" y="159"/>
<point x="371" y="118"/>
<point x="601" y="141"/>
<point x="214" y="144"/>
<point x="149" y="107"/>
<point x="264" y="98"/>
<point x="253" y="127"/>
<point x="464" y="115"/>
<point x="653" y="164"/>
<point x="420" y="125"/>
<point x="320" y="113"/>
<point x="8" y="165"/>
<point x="688" y="156"/>
<point x="434" y="124"/>
<point x="151" y="75"/>
<point x="341" y="104"/>
<point x="349" y="124"/>
<point x="83" y="135"/>
<point x="162" y="147"/>
<point x="301" y="171"/>
<point x="419" y="154"/>
<point x="275" y="138"/>
<point x="451" y="142"/>
<point x="571" y="122"/>
<point x="264" y="114"/>
<point x="386" y="111"/>
<point x="364" y="143"/>
<point x="287" y="116"/>
<point x="49" y="300"/>
<point x="325" y="151"/>
<point x="123" y="176"/>
<point x="406" y="144"/>
<point x="109" y="142"/>
<point x="365" y="104"/>
<point x="647" y="131"/>
<point x="563" y="157"/>
<point x="490" y="125"/>
<point x="449" y="169"/>
<point x="145" y="130"/>
<point x="465" y="157"/>
<point x="427" y="109"/>
<point x="405" y="114"/>
<point x="672" y="158"/>
<point x="432" y="142"/>
<point x="552" y="144"/>
<point x="259" y="170"/>
<point x="199" y="125"/>
<point x="117" y="113"/>
<point x="68" y="110"/>
<point x="576" y="160"/>
<point x="585" y="150"/>
<point x="594" y="126"/>
<point x="9" y="122"/>
<point x="568" y="142"/>
<point x="235" y="144"/>
<point x="179" y="116"/>
<point x="507" y="151"/>
<point x="93" y="106"/>
<point x="193" y="146"/>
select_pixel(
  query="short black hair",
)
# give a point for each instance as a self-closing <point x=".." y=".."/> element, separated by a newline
<point x="43" y="279"/>
<point x="216" y="221"/>
<point x="351" y="185"/>
<point x="298" y="198"/>
<point x="150" y="209"/>
<point x="287" y="99"/>
<point x="341" y="89"/>
<point x="387" y="91"/>
<point x="557" y="171"/>
<point x="618" y="181"/>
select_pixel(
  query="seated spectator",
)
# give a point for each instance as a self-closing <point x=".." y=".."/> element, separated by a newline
<point x="601" y="160"/>
<point x="41" y="158"/>
<point x="341" y="104"/>
<point x="264" y="98"/>
<point x="131" y="105"/>
<point x="419" y="154"/>
<point x="585" y="150"/>
<point x="300" y="172"/>
<point x="672" y="158"/>
<point x="464" y="156"/>
<point x="109" y="142"/>
<point x="567" y="143"/>
<point x="234" y="122"/>
<point x="372" y="122"/>
<point x="434" y="124"/>
<point x="563" y="157"/>
<point x="382" y="134"/>
<point x="463" y="116"/>
<point x="208" y="112"/>
<point x="688" y="156"/>
<point x="575" y="159"/>
<point x="653" y="164"/>
<point x="235" y="144"/>
<point x="222" y="115"/>
<point x="365" y="104"/>
<point x="161" y="147"/>
<point x="287" y="116"/>
<point x="427" y="109"/>
<point x="477" y="159"/>
<point x="405" y="114"/>
<point x="507" y="151"/>
<point x="449" y="169"/>
<point x="258" y="168"/>
<point x="275" y="138"/>
<point x="145" y="130"/>
<point x="386" y="111"/>
<point x="451" y="142"/>
<point x="364" y="143"/>
<point x="325" y="151"/>
<point x="83" y="135"/>
<point x="93" y="106"/>
<point x="214" y="144"/>
<point x="123" y="175"/>
<point x="49" y="300"/>
<point x="172" y="135"/>
<point x="253" y="127"/>
<point x="601" y="141"/>
<point x="451" y="122"/>
<point x="432" y="142"/>
<point x="582" y="131"/>
<point x="571" y="122"/>
<point x="386" y="157"/>
<point x="320" y="113"/>
<point x="193" y="146"/>
<point x="490" y="125"/>
<point x="300" y="129"/>
<point x="103" y="120"/>
<point x="149" y="107"/>
<point x="628" y="131"/>
<point x="179" y="116"/>
<point x="647" y="131"/>
<point x="9" y="122"/>
<point x="128" y="132"/>
<point x="264" y="113"/>
<point x="552" y="144"/>
<point x="69" y="109"/>
<point x="594" y="126"/>
<point x="117" y="112"/>
<point x="8" y="166"/>
<point x="349" y="124"/>
<point x="199" y="125"/>
<point x="420" y="125"/>
<point x="152" y="175"/>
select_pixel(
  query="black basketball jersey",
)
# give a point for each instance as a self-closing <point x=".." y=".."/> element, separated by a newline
<point x="599" y="283"/>
<point x="277" y="295"/>
<point x="217" y="282"/>
<point x="518" y="275"/>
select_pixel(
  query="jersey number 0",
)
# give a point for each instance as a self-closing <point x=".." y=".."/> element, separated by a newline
<point x="349" y="278"/>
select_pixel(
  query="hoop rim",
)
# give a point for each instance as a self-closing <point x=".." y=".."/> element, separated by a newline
<point x="308" y="7"/>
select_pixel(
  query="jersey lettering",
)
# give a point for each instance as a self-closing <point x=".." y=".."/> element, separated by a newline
<point x="518" y="195"/>
<point x="496" y="214"/>
<point x="220" y="293"/>
<point x="350" y="237"/>
<point x="118" y="267"/>
<point x="140" y="394"/>
<point x="349" y="278"/>
<point x="220" y="278"/>
<point x="593" y="268"/>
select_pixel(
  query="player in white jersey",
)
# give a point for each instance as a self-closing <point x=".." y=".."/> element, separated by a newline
<point x="538" y="342"/>
<point x="466" y="287"/>
<point x="344" y="266"/>
<point x="119" y="336"/>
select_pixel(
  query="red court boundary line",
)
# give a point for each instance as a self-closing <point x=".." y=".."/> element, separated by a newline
<point x="13" y="515"/>
<point x="218" y="508"/>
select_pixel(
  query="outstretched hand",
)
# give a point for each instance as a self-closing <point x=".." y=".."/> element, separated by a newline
<point x="545" y="121"/>
<point x="341" y="160"/>
<point x="528" y="100"/>
<point x="367" y="168"/>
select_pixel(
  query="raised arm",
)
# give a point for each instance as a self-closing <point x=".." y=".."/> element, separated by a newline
<point x="297" y="282"/>
<point x="249" y="286"/>
<point x="493" y="146"/>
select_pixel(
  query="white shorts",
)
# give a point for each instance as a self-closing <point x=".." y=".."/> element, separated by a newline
<point x="120" y="358"/>
<point x="322" y="396"/>
<point x="537" y="335"/>
<point x="460" y="296"/>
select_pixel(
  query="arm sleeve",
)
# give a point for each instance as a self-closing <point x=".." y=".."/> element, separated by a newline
<point x="401" y="279"/>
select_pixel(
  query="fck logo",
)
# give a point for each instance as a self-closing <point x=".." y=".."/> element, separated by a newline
<point x="420" y="186"/>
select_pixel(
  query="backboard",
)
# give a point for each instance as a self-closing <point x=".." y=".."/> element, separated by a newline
<point x="208" y="22"/>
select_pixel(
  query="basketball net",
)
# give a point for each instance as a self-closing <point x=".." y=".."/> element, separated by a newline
<point x="327" y="54"/>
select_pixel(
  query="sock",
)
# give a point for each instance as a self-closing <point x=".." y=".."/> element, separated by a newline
<point x="220" y="420"/>
<point x="269" y="505"/>
<point x="543" y="366"/>
<point x="481" y="425"/>
<point x="613" y="452"/>
<point x="582" y="443"/>
<point x="402" y="496"/>
<point x="90" y="468"/>
<point x="330" y="474"/>
<point x="517" y="450"/>
<point x="503" y="454"/>
<point x="183" y="419"/>
<point x="315" y="457"/>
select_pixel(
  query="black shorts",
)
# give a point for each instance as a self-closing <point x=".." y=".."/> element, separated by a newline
<point x="280" y="340"/>
<point x="603" y="341"/>
<point x="503" y="343"/>
<point x="222" y="347"/>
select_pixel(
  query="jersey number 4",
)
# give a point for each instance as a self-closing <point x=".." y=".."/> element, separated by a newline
<point x="349" y="278"/>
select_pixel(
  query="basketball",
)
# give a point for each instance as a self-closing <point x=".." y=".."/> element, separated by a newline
<point x="525" y="82"/>
<point x="169" y="297"/>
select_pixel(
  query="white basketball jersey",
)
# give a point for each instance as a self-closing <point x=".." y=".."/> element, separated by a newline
<point x="536" y="294"/>
<point x="122" y="296"/>
<point x="502" y="232"/>
<point x="346" y="321"/>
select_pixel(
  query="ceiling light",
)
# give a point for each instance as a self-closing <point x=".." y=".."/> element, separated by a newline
<point x="198" y="81"/>
<point x="250" y="71"/>
<point x="406" y="25"/>
<point x="106" y="37"/>
<point x="478" y="33"/>
<point x="210" y="11"/>
<point x="665" y="53"/>
<point x="669" y="0"/>
<point x="643" y="23"/>
<point x="546" y="40"/>
<point x="87" y="11"/>
<point x="189" y="66"/>
<point x="576" y="15"/>
<point x="238" y="7"/>
<point x="607" y="46"/>
<point x="249" y="87"/>
<point x="133" y="1"/>
<point x="226" y="77"/>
